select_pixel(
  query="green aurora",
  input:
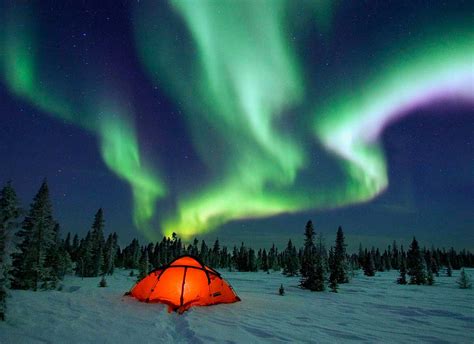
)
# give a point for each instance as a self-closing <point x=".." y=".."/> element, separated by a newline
<point x="238" y="74"/>
<point x="30" y="78"/>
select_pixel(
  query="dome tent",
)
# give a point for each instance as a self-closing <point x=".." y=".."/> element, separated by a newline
<point x="183" y="283"/>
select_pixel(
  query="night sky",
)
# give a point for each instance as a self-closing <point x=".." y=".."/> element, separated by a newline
<point x="243" y="119"/>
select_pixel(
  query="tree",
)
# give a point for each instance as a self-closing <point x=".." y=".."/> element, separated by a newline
<point x="281" y="291"/>
<point x="144" y="265"/>
<point x="320" y="274"/>
<point x="464" y="281"/>
<point x="97" y="244"/>
<point x="110" y="251"/>
<point x="37" y="236"/>
<point x="403" y="270"/>
<point x="429" y="277"/>
<point x="340" y="269"/>
<point x="290" y="265"/>
<point x="264" y="260"/>
<point x="57" y="259"/>
<point x="369" y="266"/>
<point x="415" y="266"/>
<point x="103" y="282"/>
<point x="449" y="269"/>
<point x="9" y="213"/>
<point x="308" y="271"/>
<point x="334" y="271"/>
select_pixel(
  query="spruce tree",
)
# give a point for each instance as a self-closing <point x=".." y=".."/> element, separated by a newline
<point x="74" y="248"/>
<point x="369" y="267"/>
<point x="97" y="243"/>
<point x="415" y="265"/>
<point x="333" y="271"/>
<point x="320" y="274"/>
<point x="464" y="281"/>
<point x="449" y="269"/>
<point x="429" y="277"/>
<point x="264" y="260"/>
<point x="290" y="266"/>
<point x="403" y="270"/>
<point x="37" y="236"/>
<point x="144" y="265"/>
<point x="308" y="271"/>
<point x="9" y="213"/>
<point x="340" y="258"/>
<point x="281" y="291"/>
<point x="103" y="282"/>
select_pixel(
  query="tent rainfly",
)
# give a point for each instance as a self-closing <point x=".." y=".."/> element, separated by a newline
<point x="183" y="283"/>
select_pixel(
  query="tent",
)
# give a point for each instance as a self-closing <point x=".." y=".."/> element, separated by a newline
<point x="183" y="283"/>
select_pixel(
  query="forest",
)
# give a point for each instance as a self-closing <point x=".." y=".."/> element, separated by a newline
<point x="34" y="255"/>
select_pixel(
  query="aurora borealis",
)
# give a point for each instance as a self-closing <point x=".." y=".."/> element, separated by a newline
<point x="233" y="111"/>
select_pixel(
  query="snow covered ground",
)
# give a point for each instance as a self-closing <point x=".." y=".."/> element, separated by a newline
<point x="369" y="310"/>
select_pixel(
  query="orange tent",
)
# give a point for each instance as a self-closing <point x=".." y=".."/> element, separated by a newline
<point x="183" y="283"/>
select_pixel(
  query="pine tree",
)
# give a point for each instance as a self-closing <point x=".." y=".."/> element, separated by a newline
<point x="308" y="271"/>
<point x="340" y="258"/>
<point x="264" y="260"/>
<point x="361" y="256"/>
<point x="37" y="236"/>
<point x="281" y="291"/>
<point x="334" y="271"/>
<point x="369" y="267"/>
<point x="319" y="274"/>
<point x="74" y="248"/>
<point x="415" y="266"/>
<point x="103" y="282"/>
<point x="144" y="265"/>
<point x="464" y="281"/>
<point x="9" y="213"/>
<point x="98" y="243"/>
<point x="429" y="277"/>
<point x="395" y="256"/>
<point x="403" y="270"/>
<point x="53" y="261"/>
<point x="110" y="252"/>
<point x="449" y="269"/>
<point x="290" y="265"/>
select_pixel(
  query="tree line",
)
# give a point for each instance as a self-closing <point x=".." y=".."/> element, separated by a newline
<point x="33" y="254"/>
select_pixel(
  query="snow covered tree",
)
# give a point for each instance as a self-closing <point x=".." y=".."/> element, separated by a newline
<point x="308" y="260"/>
<point x="144" y="265"/>
<point x="281" y="291"/>
<point x="415" y="266"/>
<point x="37" y="236"/>
<point x="290" y="265"/>
<point x="9" y="213"/>
<point x="402" y="279"/>
<point x="429" y="277"/>
<point x="110" y="252"/>
<point x="449" y="269"/>
<point x="103" y="282"/>
<point x="340" y="264"/>
<point x="395" y="256"/>
<point x="319" y="274"/>
<point x="264" y="263"/>
<point x="464" y="281"/>
<point x="58" y="260"/>
<point x="74" y="248"/>
<point x="369" y="265"/>
<point x="97" y="243"/>
<point x="333" y="271"/>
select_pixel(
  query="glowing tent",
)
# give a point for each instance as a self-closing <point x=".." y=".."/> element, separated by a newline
<point x="183" y="283"/>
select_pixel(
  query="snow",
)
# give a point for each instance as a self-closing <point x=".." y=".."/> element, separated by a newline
<point x="369" y="310"/>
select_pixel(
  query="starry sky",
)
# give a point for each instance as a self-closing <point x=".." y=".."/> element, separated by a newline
<point x="243" y="119"/>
